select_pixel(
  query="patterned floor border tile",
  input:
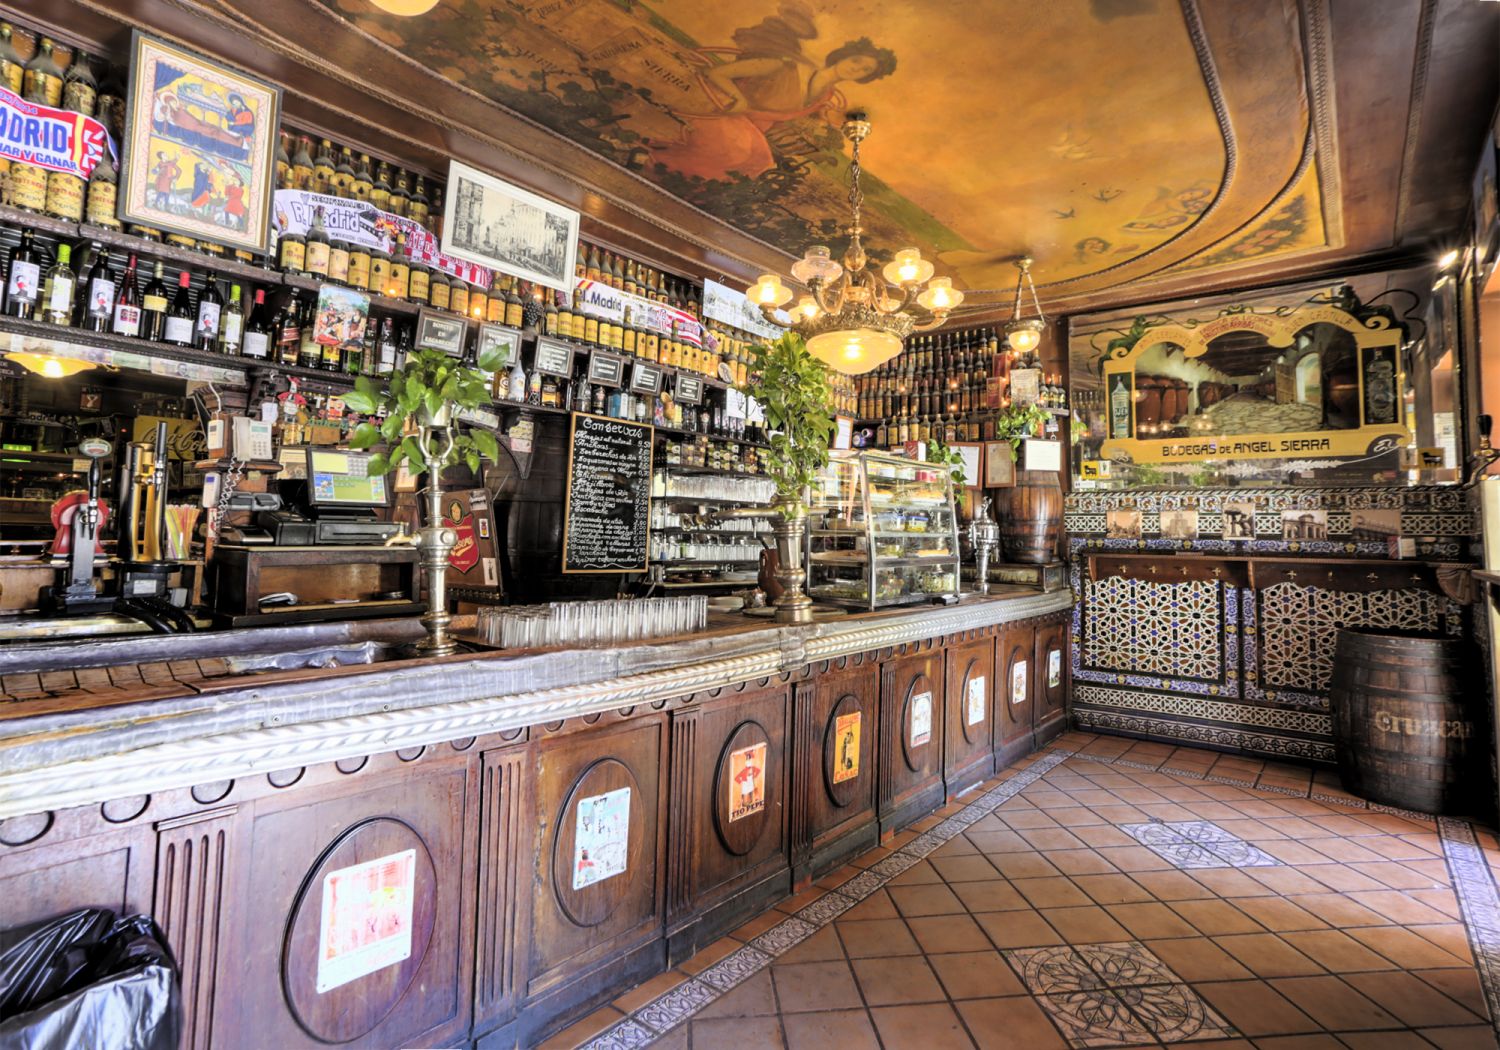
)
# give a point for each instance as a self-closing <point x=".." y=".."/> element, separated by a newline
<point x="672" y="1008"/>
<point x="1478" y="904"/>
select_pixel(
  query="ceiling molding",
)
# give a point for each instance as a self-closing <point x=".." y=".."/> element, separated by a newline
<point x="1421" y="59"/>
<point x="1323" y="106"/>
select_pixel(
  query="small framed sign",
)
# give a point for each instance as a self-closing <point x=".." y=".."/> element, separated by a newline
<point x="606" y="369"/>
<point x="437" y="330"/>
<point x="843" y="432"/>
<point x="498" y="337"/>
<point x="689" y="390"/>
<point x="999" y="465"/>
<point x="1037" y="454"/>
<point x="645" y="379"/>
<point x="553" y="357"/>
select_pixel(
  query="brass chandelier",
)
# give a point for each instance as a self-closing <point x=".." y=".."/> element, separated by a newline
<point x="856" y="317"/>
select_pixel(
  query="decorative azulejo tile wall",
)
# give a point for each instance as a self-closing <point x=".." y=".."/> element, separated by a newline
<point x="1240" y="662"/>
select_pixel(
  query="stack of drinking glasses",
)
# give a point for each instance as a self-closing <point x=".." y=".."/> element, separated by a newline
<point x="580" y="624"/>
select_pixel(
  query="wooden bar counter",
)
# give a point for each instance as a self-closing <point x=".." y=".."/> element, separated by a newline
<point x="222" y="808"/>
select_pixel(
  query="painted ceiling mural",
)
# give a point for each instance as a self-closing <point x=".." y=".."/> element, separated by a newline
<point x="1082" y="132"/>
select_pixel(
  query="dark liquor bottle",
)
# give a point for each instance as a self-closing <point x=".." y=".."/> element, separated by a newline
<point x="385" y="357"/>
<point x="284" y="178"/>
<point x="80" y="88"/>
<point x="316" y="249"/>
<point x="398" y="285"/>
<point x="405" y="336"/>
<point x="380" y="189"/>
<point x="302" y="164"/>
<point x="309" y="353"/>
<point x="514" y="307"/>
<point x="24" y="283"/>
<point x="338" y="261"/>
<point x="353" y="358"/>
<point x="42" y="81"/>
<point x="96" y="303"/>
<point x="419" y="282"/>
<point x="259" y="329"/>
<point x="57" y="290"/>
<point x="289" y="329"/>
<point x="363" y="181"/>
<point x="418" y="207"/>
<point x="291" y="252"/>
<point x="12" y="69"/>
<point x="154" y="308"/>
<point x="333" y="358"/>
<point x="400" y="194"/>
<point x="549" y="316"/>
<point x="210" y="307"/>
<point x="342" y="182"/>
<point x="180" y="315"/>
<point x="322" y="169"/>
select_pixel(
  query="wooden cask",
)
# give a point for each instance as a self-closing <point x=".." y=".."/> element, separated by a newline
<point x="1031" y="517"/>
<point x="1403" y="733"/>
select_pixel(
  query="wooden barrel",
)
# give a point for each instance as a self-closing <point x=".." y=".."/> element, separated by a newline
<point x="1030" y="517"/>
<point x="1402" y="732"/>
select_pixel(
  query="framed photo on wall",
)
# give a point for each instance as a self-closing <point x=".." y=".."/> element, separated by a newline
<point x="201" y="141"/>
<point x="492" y="223"/>
<point x="999" y="465"/>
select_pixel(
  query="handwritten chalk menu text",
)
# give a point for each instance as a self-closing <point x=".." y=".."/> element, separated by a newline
<point x="609" y="496"/>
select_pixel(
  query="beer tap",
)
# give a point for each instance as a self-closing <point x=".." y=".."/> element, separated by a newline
<point x="983" y="535"/>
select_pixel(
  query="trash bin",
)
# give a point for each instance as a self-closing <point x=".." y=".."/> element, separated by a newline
<point x="88" y="979"/>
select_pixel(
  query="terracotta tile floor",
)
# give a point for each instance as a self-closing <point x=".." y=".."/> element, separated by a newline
<point x="1112" y="893"/>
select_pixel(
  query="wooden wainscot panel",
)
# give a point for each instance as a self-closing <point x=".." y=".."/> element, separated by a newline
<point x="1049" y="669"/>
<point x="1015" y="699"/>
<point x="911" y="738"/>
<point x="504" y="887"/>
<point x="193" y="858"/>
<point x="348" y="923"/>
<point x="598" y="888"/>
<point x="729" y="820"/>
<point x="970" y="747"/>
<point x="47" y="867"/>
<point x="833" y="776"/>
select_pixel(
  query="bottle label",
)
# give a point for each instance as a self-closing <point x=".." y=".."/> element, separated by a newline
<point x="101" y="297"/>
<point x="154" y="304"/>
<point x="293" y="255"/>
<point x="359" y="270"/>
<point x="380" y="275"/>
<point x="179" y="330"/>
<point x="338" y="264"/>
<point x="495" y="311"/>
<point x="420" y="283"/>
<point x="458" y="300"/>
<point x="208" y="320"/>
<point x="65" y="196"/>
<point x="316" y="257"/>
<point x="257" y="344"/>
<point x="331" y="354"/>
<point x="25" y="282"/>
<point x="127" y="320"/>
<point x="233" y="325"/>
<point x="440" y="294"/>
<point x="79" y="97"/>
<point x="28" y="186"/>
<point x="61" y="298"/>
<point x="101" y="203"/>
<point x="514" y="314"/>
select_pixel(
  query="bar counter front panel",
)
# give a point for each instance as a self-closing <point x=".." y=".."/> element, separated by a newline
<point x="559" y="843"/>
<point x="1229" y="643"/>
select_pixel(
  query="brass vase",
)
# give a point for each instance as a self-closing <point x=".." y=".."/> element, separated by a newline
<point x="436" y="542"/>
<point x="789" y="527"/>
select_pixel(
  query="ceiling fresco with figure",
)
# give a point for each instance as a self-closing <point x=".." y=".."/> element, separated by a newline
<point x="1082" y="132"/>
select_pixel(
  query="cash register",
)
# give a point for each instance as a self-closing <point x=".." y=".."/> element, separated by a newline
<point x="334" y="506"/>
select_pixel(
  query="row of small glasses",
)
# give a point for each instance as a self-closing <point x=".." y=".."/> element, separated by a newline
<point x="592" y="622"/>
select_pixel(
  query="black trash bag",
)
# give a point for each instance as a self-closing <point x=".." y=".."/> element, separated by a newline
<point x="88" y="979"/>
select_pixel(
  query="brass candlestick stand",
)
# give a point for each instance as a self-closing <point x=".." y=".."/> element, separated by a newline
<point x="435" y="541"/>
<point x="983" y="535"/>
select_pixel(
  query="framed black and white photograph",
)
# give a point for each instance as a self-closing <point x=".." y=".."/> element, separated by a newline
<point x="492" y="223"/>
<point x="440" y="330"/>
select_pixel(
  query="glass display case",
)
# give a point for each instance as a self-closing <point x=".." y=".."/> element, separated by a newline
<point x="882" y="531"/>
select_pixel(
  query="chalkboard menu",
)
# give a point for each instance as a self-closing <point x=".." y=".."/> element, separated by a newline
<point x="608" y="511"/>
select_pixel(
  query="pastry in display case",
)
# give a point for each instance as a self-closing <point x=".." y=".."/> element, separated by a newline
<point x="882" y="531"/>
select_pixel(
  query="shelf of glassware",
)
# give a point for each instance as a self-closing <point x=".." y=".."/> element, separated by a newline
<point x="882" y="531"/>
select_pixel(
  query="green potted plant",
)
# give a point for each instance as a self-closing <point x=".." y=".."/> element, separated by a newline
<point x="792" y="389"/>
<point x="1030" y="510"/>
<point x="421" y="400"/>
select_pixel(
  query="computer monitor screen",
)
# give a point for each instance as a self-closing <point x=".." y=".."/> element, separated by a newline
<point x="342" y="479"/>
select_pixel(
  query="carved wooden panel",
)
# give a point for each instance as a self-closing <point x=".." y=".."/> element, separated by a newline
<point x="104" y="871"/>
<point x="834" y="777"/>
<point x="599" y="855"/>
<point x="912" y="730"/>
<point x="1015" y="700"/>
<point x="192" y="859"/>
<point x="970" y="737"/>
<point x="268" y="988"/>
<point x="504" y="871"/>
<point x="1050" y="678"/>
<point x="728" y="807"/>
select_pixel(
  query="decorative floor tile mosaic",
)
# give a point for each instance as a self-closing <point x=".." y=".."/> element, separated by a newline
<point x="1197" y="844"/>
<point x="1266" y="904"/>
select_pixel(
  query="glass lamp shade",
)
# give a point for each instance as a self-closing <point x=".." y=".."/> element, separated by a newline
<point x="854" y="351"/>
<point x="1024" y="336"/>
<point x="48" y="366"/>
<point x="940" y="295"/>
<point x="817" y="264"/>
<point x="806" y="308"/>
<point x="406" y="8"/>
<point x="907" y="267"/>
<point x="769" y="291"/>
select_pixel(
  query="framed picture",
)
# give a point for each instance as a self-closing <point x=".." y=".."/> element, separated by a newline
<point x="492" y="223"/>
<point x="999" y="465"/>
<point x="202" y="147"/>
<point x="843" y="431"/>
<point x="498" y="337"/>
<point x="1179" y="524"/>
<point x="972" y="454"/>
<point x="440" y="330"/>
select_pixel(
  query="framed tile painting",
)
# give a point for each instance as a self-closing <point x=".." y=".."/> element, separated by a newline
<point x="201" y="141"/>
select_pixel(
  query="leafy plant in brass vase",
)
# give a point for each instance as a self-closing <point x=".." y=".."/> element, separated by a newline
<point x="1016" y="422"/>
<point x="792" y="389"/>
<point x="421" y="400"/>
